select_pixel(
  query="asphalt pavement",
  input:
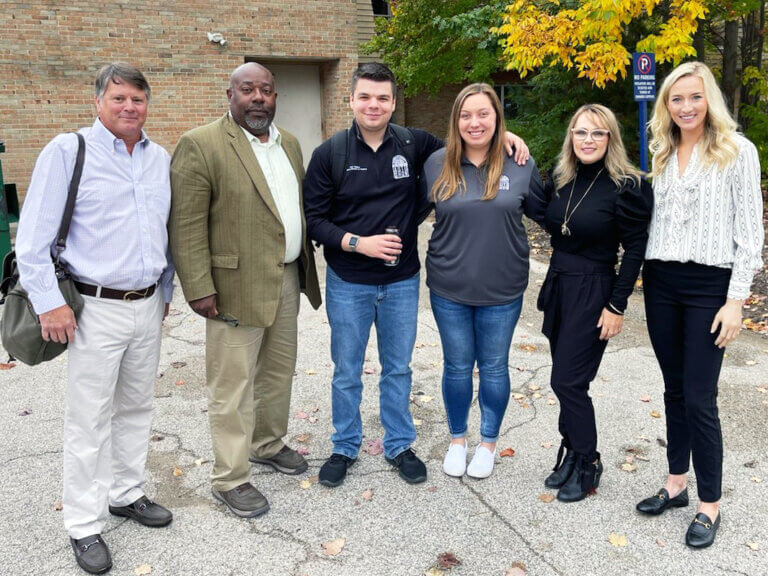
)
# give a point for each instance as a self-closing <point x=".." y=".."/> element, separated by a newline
<point x="376" y="523"/>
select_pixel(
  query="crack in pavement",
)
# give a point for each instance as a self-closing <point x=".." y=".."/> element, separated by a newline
<point x="285" y="536"/>
<point x="495" y="513"/>
<point x="35" y="455"/>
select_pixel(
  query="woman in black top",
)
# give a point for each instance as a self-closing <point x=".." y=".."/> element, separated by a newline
<point x="597" y="201"/>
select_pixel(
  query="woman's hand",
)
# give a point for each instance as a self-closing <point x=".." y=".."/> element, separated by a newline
<point x="610" y="324"/>
<point x="728" y="318"/>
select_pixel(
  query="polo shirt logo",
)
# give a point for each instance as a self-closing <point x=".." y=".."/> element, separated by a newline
<point x="504" y="182"/>
<point x="399" y="167"/>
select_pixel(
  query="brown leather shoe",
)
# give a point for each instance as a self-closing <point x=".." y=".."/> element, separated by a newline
<point x="244" y="500"/>
<point x="287" y="461"/>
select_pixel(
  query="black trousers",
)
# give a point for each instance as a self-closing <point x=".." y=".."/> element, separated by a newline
<point x="681" y="300"/>
<point x="572" y="297"/>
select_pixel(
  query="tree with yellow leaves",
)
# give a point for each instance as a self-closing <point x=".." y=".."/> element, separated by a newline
<point x="589" y="35"/>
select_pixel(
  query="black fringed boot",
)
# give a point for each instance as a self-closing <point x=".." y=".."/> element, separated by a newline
<point x="584" y="478"/>
<point x="566" y="458"/>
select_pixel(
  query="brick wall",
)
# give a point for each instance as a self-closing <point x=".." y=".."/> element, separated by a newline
<point x="51" y="51"/>
<point x="431" y="113"/>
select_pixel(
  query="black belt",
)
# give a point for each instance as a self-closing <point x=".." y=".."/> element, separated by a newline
<point x="112" y="294"/>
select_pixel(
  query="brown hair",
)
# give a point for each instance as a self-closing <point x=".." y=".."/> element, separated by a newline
<point x="451" y="178"/>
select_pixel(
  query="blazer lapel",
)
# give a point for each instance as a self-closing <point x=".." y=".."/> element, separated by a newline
<point x="248" y="159"/>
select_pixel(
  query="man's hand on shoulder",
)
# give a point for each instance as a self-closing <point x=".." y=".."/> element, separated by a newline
<point x="58" y="325"/>
<point x="205" y="306"/>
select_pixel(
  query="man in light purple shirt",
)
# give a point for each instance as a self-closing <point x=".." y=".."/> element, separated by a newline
<point x="117" y="251"/>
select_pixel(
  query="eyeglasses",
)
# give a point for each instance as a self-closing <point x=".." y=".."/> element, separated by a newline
<point x="597" y="135"/>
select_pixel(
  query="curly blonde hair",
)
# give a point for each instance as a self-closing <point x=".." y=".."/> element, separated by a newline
<point x="718" y="144"/>
<point x="617" y="164"/>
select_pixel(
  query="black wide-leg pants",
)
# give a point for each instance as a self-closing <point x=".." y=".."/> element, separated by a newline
<point x="572" y="297"/>
<point x="681" y="301"/>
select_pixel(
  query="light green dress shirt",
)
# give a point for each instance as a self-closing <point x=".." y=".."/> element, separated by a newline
<point x="283" y="184"/>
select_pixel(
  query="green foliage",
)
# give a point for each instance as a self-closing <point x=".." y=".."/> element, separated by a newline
<point x="431" y="43"/>
<point x="757" y="114"/>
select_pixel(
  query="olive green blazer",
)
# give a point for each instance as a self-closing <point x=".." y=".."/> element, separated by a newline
<point x="225" y="232"/>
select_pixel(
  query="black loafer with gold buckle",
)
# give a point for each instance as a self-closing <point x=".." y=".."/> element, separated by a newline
<point x="656" y="504"/>
<point x="702" y="531"/>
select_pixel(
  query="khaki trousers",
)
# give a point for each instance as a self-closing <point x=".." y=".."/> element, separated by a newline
<point x="249" y="374"/>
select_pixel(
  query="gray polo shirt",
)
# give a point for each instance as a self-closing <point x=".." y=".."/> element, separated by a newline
<point x="478" y="253"/>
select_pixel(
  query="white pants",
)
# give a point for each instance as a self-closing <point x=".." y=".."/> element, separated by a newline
<point x="111" y="375"/>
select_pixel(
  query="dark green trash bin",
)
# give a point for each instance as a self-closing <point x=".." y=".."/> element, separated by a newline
<point x="9" y="210"/>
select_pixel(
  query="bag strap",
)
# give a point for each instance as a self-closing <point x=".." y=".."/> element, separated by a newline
<point x="339" y="155"/>
<point x="74" y="184"/>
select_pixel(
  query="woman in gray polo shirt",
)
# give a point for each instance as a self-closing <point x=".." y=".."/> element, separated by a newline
<point x="477" y="266"/>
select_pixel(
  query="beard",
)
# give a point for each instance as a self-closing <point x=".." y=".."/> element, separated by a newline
<point x="258" y="125"/>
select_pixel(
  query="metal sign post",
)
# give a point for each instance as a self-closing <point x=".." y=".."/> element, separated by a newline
<point x="644" y="75"/>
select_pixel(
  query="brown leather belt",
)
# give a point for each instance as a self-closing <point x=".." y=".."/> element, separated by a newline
<point x="112" y="294"/>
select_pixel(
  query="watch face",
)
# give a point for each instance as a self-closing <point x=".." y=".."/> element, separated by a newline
<point x="353" y="242"/>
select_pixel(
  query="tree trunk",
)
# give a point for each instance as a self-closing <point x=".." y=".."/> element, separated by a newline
<point x="730" y="55"/>
<point x="699" y="42"/>
<point x="751" y="52"/>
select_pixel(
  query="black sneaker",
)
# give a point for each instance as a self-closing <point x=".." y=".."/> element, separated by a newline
<point x="410" y="468"/>
<point x="333" y="472"/>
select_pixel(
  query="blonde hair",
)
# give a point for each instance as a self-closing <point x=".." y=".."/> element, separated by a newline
<point x="451" y="178"/>
<point x="617" y="164"/>
<point x="717" y="143"/>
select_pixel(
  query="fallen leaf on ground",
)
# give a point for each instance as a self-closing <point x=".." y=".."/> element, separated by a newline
<point x="367" y="494"/>
<point x="551" y="401"/>
<point x="655" y="414"/>
<point x="305" y="484"/>
<point x="177" y="471"/>
<point x="301" y="415"/>
<point x="521" y="368"/>
<point x="755" y="479"/>
<point x="518" y="396"/>
<point x="434" y="572"/>
<point x="57" y="506"/>
<point x="517" y="569"/>
<point x="369" y="371"/>
<point x="374" y="447"/>
<point x="180" y="383"/>
<point x="536" y="395"/>
<point x="750" y="362"/>
<point x="311" y="372"/>
<point x="417" y="422"/>
<point x="546" y="444"/>
<point x="301" y="451"/>
<point x="754" y="546"/>
<point x="617" y="540"/>
<point x="750" y="464"/>
<point x="527" y="347"/>
<point x="645" y="398"/>
<point x="660" y="543"/>
<point x="301" y="437"/>
<point x="424" y="398"/>
<point x="7" y="365"/>
<point x="142" y="570"/>
<point x="432" y="489"/>
<point x="661" y="442"/>
<point x="629" y="467"/>
<point x="157" y="437"/>
<point x="507" y="453"/>
<point x="178" y="364"/>
<point x="25" y="412"/>
<point x="534" y="387"/>
<point x="448" y="560"/>
<point x="201" y="461"/>
<point x="546" y="497"/>
<point x="333" y="547"/>
<point x="312" y="419"/>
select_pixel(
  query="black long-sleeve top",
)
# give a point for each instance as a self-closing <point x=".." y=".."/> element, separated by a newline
<point x="373" y="196"/>
<point x="609" y="215"/>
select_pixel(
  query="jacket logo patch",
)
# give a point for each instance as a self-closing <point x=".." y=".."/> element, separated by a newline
<point x="399" y="167"/>
<point x="504" y="182"/>
<point x="356" y="169"/>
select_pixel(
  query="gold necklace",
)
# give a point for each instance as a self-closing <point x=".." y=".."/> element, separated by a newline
<point x="564" y="230"/>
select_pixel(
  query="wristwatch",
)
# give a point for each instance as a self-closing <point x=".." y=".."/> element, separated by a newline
<point x="353" y="243"/>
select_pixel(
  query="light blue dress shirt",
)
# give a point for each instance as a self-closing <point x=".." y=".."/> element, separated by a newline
<point x="118" y="237"/>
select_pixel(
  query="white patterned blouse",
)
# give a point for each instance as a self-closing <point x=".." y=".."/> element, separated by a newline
<point x="711" y="216"/>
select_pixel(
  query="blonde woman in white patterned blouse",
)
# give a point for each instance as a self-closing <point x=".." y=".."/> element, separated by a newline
<point x="704" y="247"/>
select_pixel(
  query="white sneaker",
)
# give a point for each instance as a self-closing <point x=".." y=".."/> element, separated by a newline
<point x="482" y="462"/>
<point x="455" y="461"/>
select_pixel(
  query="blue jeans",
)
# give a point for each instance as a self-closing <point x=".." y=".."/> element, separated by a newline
<point x="469" y="334"/>
<point x="352" y="309"/>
